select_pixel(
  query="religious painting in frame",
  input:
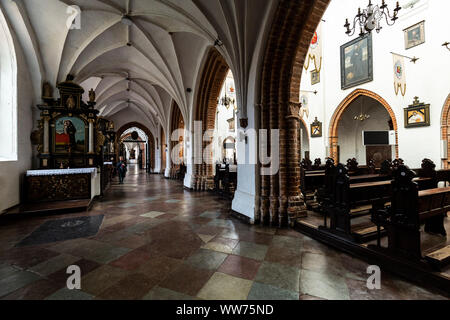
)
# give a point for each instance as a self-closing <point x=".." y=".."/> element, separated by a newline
<point x="414" y="35"/>
<point x="356" y="62"/>
<point x="417" y="115"/>
<point x="316" y="129"/>
<point x="315" y="77"/>
<point x="69" y="135"/>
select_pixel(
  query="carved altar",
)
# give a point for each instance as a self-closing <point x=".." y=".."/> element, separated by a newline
<point x="73" y="143"/>
<point x="70" y="134"/>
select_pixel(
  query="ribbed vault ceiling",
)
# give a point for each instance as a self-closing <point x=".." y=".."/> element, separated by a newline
<point x="144" y="65"/>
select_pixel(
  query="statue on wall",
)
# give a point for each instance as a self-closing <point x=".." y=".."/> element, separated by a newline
<point x="92" y="95"/>
<point x="47" y="91"/>
<point x="71" y="103"/>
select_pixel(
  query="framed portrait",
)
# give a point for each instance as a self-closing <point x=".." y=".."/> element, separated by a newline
<point x="414" y="35"/>
<point x="417" y="115"/>
<point x="69" y="135"/>
<point x="356" y="62"/>
<point x="316" y="129"/>
<point x="315" y="77"/>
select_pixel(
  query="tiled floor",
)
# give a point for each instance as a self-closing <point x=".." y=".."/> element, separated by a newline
<point x="158" y="241"/>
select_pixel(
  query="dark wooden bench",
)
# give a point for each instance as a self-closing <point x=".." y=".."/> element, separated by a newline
<point x="410" y="208"/>
<point x="354" y="200"/>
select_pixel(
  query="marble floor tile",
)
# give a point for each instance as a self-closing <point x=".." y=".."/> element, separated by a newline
<point x="225" y="287"/>
<point x="323" y="286"/>
<point x="101" y="279"/>
<point x="240" y="267"/>
<point x="152" y="214"/>
<point x="279" y="275"/>
<point x="187" y="280"/>
<point x="37" y="290"/>
<point x="250" y="250"/>
<point x="221" y="245"/>
<point x="158" y="293"/>
<point x="16" y="281"/>
<point x="206" y="259"/>
<point x="132" y="260"/>
<point x="54" y="264"/>
<point x="132" y="287"/>
<point x="261" y="291"/>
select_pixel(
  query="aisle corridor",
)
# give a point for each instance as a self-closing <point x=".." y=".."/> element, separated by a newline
<point x="157" y="241"/>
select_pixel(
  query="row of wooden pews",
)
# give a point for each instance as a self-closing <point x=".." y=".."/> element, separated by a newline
<point x="354" y="198"/>
<point x="408" y="210"/>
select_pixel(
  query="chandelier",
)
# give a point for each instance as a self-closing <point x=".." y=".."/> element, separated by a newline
<point x="362" y="116"/>
<point x="370" y="18"/>
<point x="227" y="101"/>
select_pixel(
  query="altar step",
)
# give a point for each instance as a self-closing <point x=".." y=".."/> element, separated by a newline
<point x="56" y="207"/>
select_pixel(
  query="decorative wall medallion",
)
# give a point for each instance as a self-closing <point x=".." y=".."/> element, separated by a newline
<point x="417" y="114"/>
<point x="316" y="129"/>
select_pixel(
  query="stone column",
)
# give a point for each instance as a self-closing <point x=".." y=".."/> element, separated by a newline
<point x="274" y="179"/>
<point x="283" y="175"/>
<point x="296" y="206"/>
<point x="265" y="179"/>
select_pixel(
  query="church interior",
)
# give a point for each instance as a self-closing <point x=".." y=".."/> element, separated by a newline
<point x="224" y="150"/>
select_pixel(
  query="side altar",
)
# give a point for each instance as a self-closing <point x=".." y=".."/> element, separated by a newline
<point x="72" y="143"/>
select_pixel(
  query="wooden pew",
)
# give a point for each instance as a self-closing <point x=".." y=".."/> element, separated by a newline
<point x="411" y="208"/>
<point x="225" y="180"/>
<point x="353" y="200"/>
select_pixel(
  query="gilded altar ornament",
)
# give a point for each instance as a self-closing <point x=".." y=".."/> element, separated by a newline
<point x="47" y="91"/>
<point x="92" y="95"/>
<point x="71" y="103"/>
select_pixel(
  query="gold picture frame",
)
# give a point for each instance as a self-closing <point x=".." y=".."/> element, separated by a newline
<point x="316" y="129"/>
<point x="414" y="35"/>
<point x="315" y="77"/>
<point x="417" y="114"/>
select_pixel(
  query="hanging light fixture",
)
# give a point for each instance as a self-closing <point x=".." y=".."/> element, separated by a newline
<point x="362" y="116"/>
<point x="227" y="101"/>
<point x="370" y="18"/>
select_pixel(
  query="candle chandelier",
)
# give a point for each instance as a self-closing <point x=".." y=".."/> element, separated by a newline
<point x="370" y="18"/>
<point x="362" y="116"/>
<point x="227" y="101"/>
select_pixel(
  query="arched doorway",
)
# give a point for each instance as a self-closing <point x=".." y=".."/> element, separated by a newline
<point x="350" y="107"/>
<point x="150" y="153"/>
<point x="445" y="131"/>
<point x="211" y="83"/>
<point x="134" y="149"/>
<point x="229" y="150"/>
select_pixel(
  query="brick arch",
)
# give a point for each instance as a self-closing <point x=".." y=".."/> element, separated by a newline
<point x="335" y="119"/>
<point x="151" y="139"/>
<point x="213" y="77"/>
<point x="445" y="130"/>
<point x="176" y="122"/>
<point x="294" y="24"/>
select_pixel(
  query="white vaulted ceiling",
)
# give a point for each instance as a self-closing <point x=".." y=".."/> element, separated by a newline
<point x="169" y="40"/>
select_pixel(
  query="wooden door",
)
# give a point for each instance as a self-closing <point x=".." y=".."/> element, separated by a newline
<point x="378" y="154"/>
